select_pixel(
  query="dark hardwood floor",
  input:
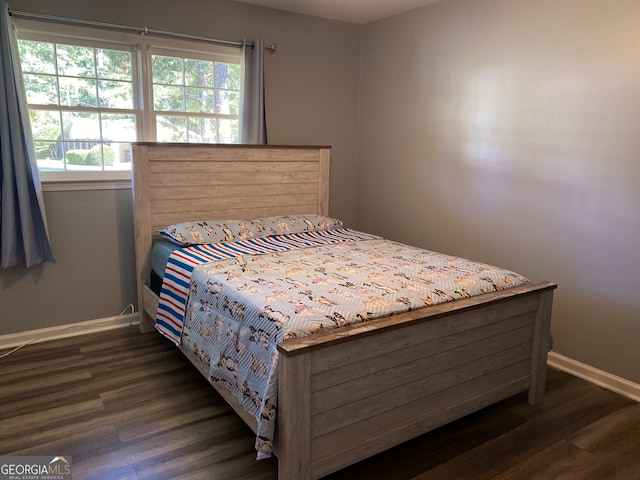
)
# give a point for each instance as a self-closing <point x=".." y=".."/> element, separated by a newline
<point x="130" y="406"/>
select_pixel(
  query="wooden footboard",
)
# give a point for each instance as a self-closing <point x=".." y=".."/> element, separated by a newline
<point x="357" y="391"/>
<point x="347" y="394"/>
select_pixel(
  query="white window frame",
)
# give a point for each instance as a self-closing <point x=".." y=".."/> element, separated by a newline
<point x="142" y="48"/>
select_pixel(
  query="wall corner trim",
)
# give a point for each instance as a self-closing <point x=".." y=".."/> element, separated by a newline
<point x="69" y="330"/>
<point x="598" y="377"/>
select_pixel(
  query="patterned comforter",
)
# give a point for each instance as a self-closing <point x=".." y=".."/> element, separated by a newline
<point x="240" y="307"/>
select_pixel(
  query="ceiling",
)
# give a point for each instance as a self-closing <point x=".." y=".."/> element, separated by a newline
<point x="354" y="11"/>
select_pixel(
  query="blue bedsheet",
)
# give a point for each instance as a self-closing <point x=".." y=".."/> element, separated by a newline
<point x="160" y="254"/>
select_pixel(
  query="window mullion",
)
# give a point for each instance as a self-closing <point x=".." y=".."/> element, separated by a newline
<point x="148" y="128"/>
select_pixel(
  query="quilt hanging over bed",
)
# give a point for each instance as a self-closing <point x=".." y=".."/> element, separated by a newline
<point x="232" y="303"/>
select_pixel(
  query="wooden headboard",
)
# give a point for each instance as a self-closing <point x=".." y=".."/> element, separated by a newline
<point x="175" y="183"/>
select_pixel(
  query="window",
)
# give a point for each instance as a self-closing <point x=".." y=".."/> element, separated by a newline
<point x="195" y="100"/>
<point x="91" y="93"/>
<point x="82" y="105"/>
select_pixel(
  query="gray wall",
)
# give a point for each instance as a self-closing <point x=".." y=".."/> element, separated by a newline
<point x="509" y="131"/>
<point x="92" y="238"/>
<point x="312" y="94"/>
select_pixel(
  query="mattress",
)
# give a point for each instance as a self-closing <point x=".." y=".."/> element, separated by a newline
<point x="239" y="307"/>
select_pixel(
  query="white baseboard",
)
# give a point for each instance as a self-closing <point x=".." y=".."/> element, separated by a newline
<point x="70" y="330"/>
<point x="581" y="370"/>
<point x="598" y="377"/>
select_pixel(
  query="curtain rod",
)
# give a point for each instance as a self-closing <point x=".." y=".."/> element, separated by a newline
<point x="140" y="30"/>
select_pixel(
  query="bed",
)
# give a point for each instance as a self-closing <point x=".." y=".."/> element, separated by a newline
<point x="471" y="352"/>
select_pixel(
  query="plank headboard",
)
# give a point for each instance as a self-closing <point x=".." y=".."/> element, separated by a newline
<point x="175" y="183"/>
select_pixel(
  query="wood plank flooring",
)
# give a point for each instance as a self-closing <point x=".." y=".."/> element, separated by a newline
<point x="128" y="406"/>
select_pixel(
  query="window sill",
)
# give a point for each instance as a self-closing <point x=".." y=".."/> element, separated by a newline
<point x="76" y="185"/>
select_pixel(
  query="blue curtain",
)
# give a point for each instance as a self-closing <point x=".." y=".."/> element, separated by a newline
<point x="24" y="239"/>
<point x="254" y="121"/>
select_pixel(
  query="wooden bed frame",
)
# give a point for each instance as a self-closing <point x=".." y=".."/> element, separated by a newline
<point x="350" y="393"/>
